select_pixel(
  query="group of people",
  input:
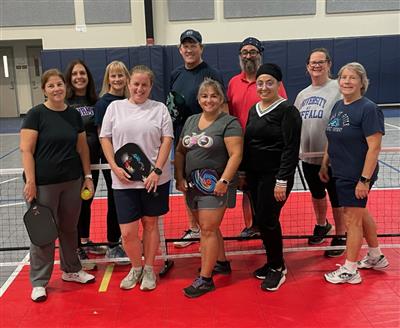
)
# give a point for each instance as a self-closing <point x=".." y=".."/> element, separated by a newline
<point x="246" y="138"/>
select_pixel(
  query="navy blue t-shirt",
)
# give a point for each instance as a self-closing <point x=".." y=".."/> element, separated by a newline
<point x="184" y="86"/>
<point x="347" y="130"/>
<point x="101" y="107"/>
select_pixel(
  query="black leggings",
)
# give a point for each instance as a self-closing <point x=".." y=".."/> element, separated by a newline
<point x="267" y="212"/>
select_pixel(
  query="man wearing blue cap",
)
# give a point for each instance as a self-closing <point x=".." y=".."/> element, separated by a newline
<point x="242" y="95"/>
<point x="182" y="99"/>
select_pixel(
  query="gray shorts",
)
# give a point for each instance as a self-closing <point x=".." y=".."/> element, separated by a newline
<point x="196" y="200"/>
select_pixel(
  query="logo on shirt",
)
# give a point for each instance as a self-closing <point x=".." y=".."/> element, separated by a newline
<point x="201" y="140"/>
<point x="337" y="122"/>
<point x="312" y="107"/>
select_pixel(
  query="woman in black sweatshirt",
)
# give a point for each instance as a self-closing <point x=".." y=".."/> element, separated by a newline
<point x="271" y="150"/>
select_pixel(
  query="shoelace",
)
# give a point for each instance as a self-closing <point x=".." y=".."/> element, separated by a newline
<point x="198" y="282"/>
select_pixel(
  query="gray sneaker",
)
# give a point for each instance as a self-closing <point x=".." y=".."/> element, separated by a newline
<point x="116" y="254"/>
<point x="376" y="263"/>
<point x="131" y="279"/>
<point x="149" y="280"/>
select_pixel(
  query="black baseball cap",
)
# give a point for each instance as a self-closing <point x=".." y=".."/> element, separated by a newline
<point x="191" y="34"/>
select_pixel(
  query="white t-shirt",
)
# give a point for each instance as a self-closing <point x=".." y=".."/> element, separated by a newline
<point x="143" y="124"/>
<point x="315" y="104"/>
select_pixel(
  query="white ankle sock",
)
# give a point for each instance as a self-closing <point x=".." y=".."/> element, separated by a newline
<point x="351" y="266"/>
<point x="374" y="251"/>
<point x="148" y="267"/>
<point x="137" y="269"/>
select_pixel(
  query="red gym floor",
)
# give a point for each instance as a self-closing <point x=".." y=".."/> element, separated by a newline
<point x="305" y="300"/>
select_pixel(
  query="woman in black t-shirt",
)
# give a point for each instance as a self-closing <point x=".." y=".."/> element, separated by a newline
<point x="54" y="153"/>
<point x="81" y="95"/>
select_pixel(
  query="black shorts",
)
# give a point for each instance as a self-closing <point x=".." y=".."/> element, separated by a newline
<point x="347" y="193"/>
<point x="317" y="187"/>
<point x="133" y="204"/>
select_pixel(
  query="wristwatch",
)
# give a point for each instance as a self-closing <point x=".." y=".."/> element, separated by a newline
<point x="89" y="176"/>
<point x="364" y="180"/>
<point x="157" y="171"/>
<point x="224" y="181"/>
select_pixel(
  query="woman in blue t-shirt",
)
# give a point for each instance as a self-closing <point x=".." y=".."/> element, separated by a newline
<point x="54" y="154"/>
<point x="115" y="87"/>
<point x="354" y="132"/>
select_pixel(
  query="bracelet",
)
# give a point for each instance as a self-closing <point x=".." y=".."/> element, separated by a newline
<point x="281" y="183"/>
<point x="89" y="176"/>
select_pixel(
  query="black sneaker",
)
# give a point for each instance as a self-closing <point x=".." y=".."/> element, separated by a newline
<point x="199" y="287"/>
<point x="320" y="233"/>
<point x="273" y="280"/>
<point x="262" y="272"/>
<point x="249" y="232"/>
<point x="336" y="241"/>
<point x="222" y="267"/>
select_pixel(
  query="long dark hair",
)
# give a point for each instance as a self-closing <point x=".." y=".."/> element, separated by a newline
<point x="90" y="89"/>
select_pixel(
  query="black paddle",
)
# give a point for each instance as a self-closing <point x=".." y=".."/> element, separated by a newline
<point x="40" y="224"/>
<point x="134" y="161"/>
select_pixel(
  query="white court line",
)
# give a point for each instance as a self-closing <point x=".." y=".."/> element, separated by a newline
<point x="13" y="204"/>
<point x="393" y="126"/>
<point x="9" y="180"/>
<point x="14" y="275"/>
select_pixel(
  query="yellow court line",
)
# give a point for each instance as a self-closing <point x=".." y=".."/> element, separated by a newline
<point x="106" y="278"/>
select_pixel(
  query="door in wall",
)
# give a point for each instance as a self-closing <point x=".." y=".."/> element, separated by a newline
<point x="8" y="95"/>
<point x="35" y="72"/>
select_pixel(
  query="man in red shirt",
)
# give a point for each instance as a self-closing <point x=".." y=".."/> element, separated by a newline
<point x="242" y="95"/>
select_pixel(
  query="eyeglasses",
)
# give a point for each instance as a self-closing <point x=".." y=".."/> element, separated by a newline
<point x="267" y="84"/>
<point x="252" y="53"/>
<point x="317" y="63"/>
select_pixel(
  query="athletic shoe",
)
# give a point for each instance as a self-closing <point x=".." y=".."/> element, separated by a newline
<point x="189" y="234"/>
<point x="81" y="277"/>
<point x="149" y="280"/>
<point x="82" y="254"/>
<point x="274" y="279"/>
<point x="342" y="276"/>
<point x="39" y="294"/>
<point x="199" y="287"/>
<point x="320" y="233"/>
<point x="116" y="252"/>
<point x="249" y="232"/>
<point x="221" y="268"/>
<point x="336" y="241"/>
<point x="261" y="273"/>
<point x="89" y="247"/>
<point x="132" y="278"/>
<point x="376" y="263"/>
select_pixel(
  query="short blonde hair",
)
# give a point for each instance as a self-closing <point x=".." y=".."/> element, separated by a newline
<point x="360" y="71"/>
<point x="114" y="66"/>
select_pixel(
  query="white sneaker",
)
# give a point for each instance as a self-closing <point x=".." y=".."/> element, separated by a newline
<point x="376" y="263"/>
<point x="81" y="276"/>
<point x="189" y="234"/>
<point x="132" y="278"/>
<point x="149" y="280"/>
<point x="343" y="275"/>
<point x="39" y="294"/>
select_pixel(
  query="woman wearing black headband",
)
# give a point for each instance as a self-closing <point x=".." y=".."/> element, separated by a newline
<point x="271" y="149"/>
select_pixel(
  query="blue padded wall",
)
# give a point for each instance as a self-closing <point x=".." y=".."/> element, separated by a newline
<point x="379" y="54"/>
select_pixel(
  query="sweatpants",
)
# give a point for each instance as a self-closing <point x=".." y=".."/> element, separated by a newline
<point x="65" y="202"/>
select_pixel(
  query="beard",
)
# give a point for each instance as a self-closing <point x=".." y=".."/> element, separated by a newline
<point x="250" y="65"/>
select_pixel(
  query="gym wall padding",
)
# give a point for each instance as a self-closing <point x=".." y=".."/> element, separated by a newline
<point x="379" y="54"/>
